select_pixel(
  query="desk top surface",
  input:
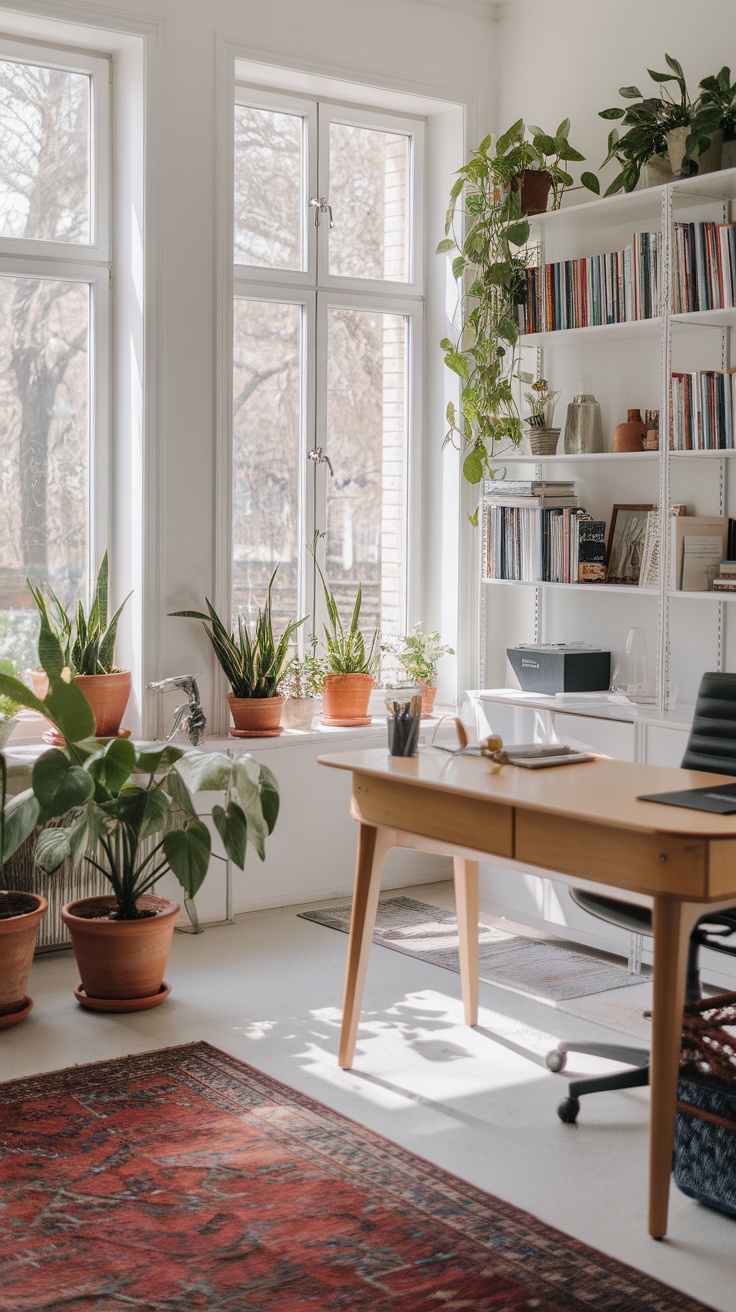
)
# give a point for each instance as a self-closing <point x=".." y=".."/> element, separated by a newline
<point x="604" y="791"/>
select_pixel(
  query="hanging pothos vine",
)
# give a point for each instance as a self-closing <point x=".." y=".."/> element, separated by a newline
<point x="485" y="201"/>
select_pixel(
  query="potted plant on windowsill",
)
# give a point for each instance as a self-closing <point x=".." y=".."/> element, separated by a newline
<point x="88" y="646"/>
<point x="349" y="679"/>
<point x="20" y="916"/>
<point x="419" y="655"/>
<point x="253" y="666"/>
<point x="129" y="812"/>
<point x="666" y="137"/>
<point x="302" y="685"/>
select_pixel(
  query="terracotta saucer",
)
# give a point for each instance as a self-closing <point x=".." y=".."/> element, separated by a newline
<point x="122" y="1004"/>
<point x="56" y="740"/>
<point x="255" y="733"/>
<point x="15" y="1017"/>
<point x="333" y="722"/>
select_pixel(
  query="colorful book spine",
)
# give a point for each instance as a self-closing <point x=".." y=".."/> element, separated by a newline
<point x="616" y="287"/>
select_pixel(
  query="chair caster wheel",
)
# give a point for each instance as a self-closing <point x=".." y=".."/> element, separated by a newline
<point x="568" y="1110"/>
<point x="556" y="1060"/>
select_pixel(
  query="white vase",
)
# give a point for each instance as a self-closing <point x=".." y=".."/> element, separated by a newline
<point x="299" y="712"/>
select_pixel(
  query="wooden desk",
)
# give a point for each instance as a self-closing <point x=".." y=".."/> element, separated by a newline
<point x="582" y="822"/>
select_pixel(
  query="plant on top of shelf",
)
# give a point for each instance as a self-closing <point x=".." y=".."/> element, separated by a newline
<point x="350" y="664"/>
<point x="541" y="401"/>
<point x="253" y="665"/>
<point x="419" y="655"/>
<point x="87" y="642"/>
<point x="547" y="154"/>
<point x="665" y="125"/>
<point x="719" y="92"/>
<point x="128" y="811"/>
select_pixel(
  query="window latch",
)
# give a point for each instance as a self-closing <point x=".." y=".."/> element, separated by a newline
<point x="321" y="457"/>
<point x="320" y="206"/>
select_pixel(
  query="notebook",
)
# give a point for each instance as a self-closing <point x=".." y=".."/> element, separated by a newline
<point x="721" y="800"/>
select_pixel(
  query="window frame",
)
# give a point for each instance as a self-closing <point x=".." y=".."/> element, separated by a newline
<point x="317" y="291"/>
<point x="86" y="263"/>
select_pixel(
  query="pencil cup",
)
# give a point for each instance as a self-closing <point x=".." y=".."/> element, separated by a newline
<point x="403" y="734"/>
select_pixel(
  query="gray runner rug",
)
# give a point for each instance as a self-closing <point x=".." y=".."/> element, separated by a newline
<point x="529" y="965"/>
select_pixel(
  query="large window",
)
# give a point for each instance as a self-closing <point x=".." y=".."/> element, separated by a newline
<point x="327" y="320"/>
<point x="54" y="281"/>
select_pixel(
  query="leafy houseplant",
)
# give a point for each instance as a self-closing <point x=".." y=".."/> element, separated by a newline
<point x="547" y="154"/>
<point x="8" y="708"/>
<point x="419" y="654"/>
<point x="20" y="916"/>
<point x="663" y="125"/>
<point x="302" y="685"/>
<point x="253" y="666"/>
<point x="719" y="92"/>
<point x="87" y="644"/>
<point x="348" y="680"/>
<point x="129" y="812"/>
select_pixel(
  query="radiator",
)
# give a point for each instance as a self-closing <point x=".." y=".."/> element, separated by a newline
<point x="66" y="885"/>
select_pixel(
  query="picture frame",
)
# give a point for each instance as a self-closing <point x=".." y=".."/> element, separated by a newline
<point x="625" y="543"/>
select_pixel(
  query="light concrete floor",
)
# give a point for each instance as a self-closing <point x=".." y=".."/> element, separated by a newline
<point x="479" y="1103"/>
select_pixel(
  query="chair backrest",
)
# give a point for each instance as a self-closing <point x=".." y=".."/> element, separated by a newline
<point x="712" y="742"/>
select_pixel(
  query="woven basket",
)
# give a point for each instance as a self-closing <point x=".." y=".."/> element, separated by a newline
<point x="543" y="441"/>
<point x="704" y="1159"/>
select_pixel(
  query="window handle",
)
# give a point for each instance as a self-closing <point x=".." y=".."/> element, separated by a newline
<point x="321" y="457"/>
<point x="320" y="206"/>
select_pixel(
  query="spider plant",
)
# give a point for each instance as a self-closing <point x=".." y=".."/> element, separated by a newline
<point x="253" y="666"/>
<point x="87" y="641"/>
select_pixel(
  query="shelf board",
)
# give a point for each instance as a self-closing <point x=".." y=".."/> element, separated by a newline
<point x="563" y="457"/>
<point x="710" y="186"/>
<point x="631" y="207"/>
<point x="724" y="318"/>
<point x="604" y="332"/>
<point x="703" y="596"/>
<point x="578" y="587"/>
<point x="700" y="455"/>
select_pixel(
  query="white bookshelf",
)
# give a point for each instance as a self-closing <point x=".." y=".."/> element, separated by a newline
<point x="632" y="363"/>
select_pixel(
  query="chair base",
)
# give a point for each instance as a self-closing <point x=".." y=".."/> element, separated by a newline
<point x="556" y="1060"/>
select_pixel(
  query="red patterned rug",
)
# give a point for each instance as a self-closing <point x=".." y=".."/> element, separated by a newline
<point x="183" y="1180"/>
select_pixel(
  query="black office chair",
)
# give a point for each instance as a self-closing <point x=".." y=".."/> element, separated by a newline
<point x="711" y="746"/>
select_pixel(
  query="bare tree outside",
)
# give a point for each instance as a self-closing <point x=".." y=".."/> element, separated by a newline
<point x="44" y="347"/>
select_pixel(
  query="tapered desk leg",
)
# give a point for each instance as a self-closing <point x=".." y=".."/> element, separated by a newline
<point x="373" y="844"/>
<point x="466" y="905"/>
<point x="673" y="922"/>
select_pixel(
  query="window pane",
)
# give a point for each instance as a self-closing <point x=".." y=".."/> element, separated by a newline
<point x="269" y="191"/>
<point x="44" y="451"/>
<point x="44" y="153"/>
<point x="267" y="422"/>
<point x="366" y="441"/>
<point x="369" y="172"/>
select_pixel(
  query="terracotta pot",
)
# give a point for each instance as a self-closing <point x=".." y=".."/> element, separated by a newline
<point x="107" y="694"/>
<point x="428" y="696"/>
<point x="256" y="717"/>
<point x="121" y="960"/>
<point x="630" y="436"/>
<point x="17" y="942"/>
<point x="299" y="712"/>
<point x="345" y="699"/>
<point x="535" y="188"/>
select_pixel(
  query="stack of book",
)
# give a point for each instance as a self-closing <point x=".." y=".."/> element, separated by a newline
<point x="535" y="532"/>
<point x="725" y="579"/>
<point x="614" y="288"/>
<point x="703" y="408"/>
<point x="704" y="267"/>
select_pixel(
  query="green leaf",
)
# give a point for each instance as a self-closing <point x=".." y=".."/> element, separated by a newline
<point x="21" y="817"/>
<point x="52" y="849"/>
<point x="616" y="185"/>
<point x="204" y="772"/>
<point x="447" y="244"/>
<point x="457" y="363"/>
<point x="569" y="152"/>
<point x="630" y="93"/>
<point x="518" y="233"/>
<point x="676" y="67"/>
<point x="459" y="265"/>
<point x="591" y="181"/>
<point x="514" y="134"/>
<point x="611" y="113"/>
<point x="250" y="798"/>
<point x="59" y="785"/>
<point x="564" y="128"/>
<point x="473" y="467"/>
<point x="157" y="758"/>
<point x="508" y="331"/>
<point x="545" y="143"/>
<point x="232" y="827"/>
<point x="660" y="77"/>
<point x="187" y="851"/>
<point x="270" y="800"/>
<point x="114" y="765"/>
<point x="473" y="519"/>
<point x="179" y="793"/>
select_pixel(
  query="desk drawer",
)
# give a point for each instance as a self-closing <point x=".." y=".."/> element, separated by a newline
<point x="446" y="817"/>
<point x="650" y="863"/>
